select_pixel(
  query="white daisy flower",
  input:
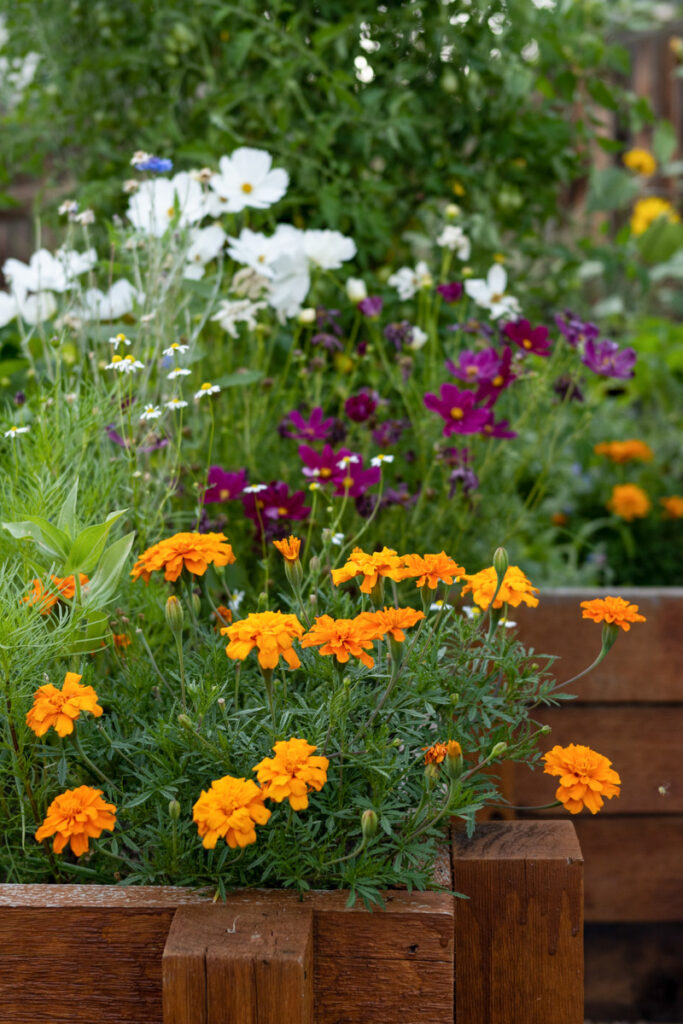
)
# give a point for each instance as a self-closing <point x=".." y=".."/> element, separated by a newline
<point x="235" y="601"/>
<point x="176" y="403"/>
<point x="125" y="364"/>
<point x="246" y="178"/>
<point x="489" y="293"/>
<point x="119" y="300"/>
<point x="379" y="459"/>
<point x="337" y="538"/>
<point x="314" y="486"/>
<point x="347" y="460"/>
<point x="455" y="239"/>
<point x="119" y="339"/>
<point x="13" y="431"/>
<point x="438" y="606"/>
<point x="407" y="281"/>
<point x="175" y="348"/>
<point x="471" y="612"/>
<point x="206" y="389"/>
<point x="255" y="488"/>
<point x="151" y="412"/>
<point x="178" y="372"/>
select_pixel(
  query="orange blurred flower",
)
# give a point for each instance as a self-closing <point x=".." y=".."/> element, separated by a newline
<point x="585" y="777"/>
<point x="121" y="640"/>
<point x="230" y="809"/>
<point x="673" y="506"/>
<point x="342" y="637"/>
<point x="515" y="589"/>
<point x="436" y="753"/>
<point x="223" y="618"/>
<point x="272" y="633"/>
<point x="613" y="610"/>
<point x="292" y="773"/>
<point x="59" y="709"/>
<point x="191" y="551"/>
<point x="431" y="569"/>
<point x="629" y="502"/>
<point x="76" y="816"/>
<point x="46" y="597"/>
<point x="384" y="563"/>
<point x="289" y="549"/>
<point x="393" y="620"/>
<point x="625" y="451"/>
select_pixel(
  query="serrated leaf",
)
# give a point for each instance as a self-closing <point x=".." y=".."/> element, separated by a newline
<point x="51" y="540"/>
<point x="66" y="520"/>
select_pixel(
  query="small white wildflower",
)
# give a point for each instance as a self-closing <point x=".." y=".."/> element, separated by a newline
<point x="206" y="389"/>
<point x="174" y="348"/>
<point x="347" y="460"/>
<point x="13" y="431"/>
<point x="438" y="606"/>
<point x="407" y="281"/>
<point x="131" y="186"/>
<point x="139" y="157"/>
<point x="178" y="372"/>
<point x="69" y="206"/>
<point x="455" y="239"/>
<point x="452" y="211"/>
<point x="152" y="412"/>
<point x="87" y="217"/>
<point x="125" y="364"/>
<point x="314" y="486"/>
<point x="255" y="488"/>
<point x="507" y="623"/>
<point x="471" y="612"/>
<point x="235" y="601"/>
<point x="119" y="339"/>
<point x="337" y="538"/>
<point x="176" y="403"/>
<point x="379" y="459"/>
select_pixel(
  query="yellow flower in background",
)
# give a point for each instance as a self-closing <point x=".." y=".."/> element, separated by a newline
<point x="629" y="502"/>
<point x="515" y="589"/>
<point x="625" y="451"/>
<point x="640" y="160"/>
<point x="229" y="810"/>
<point x="647" y="211"/>
<point x="585" y="777"/>
<point x="673" y="507"/>
<point x="292" y="773"/>
<point x="76" y="816"/>
<point x="613" y="610"/>
<point x="59" y="709"/>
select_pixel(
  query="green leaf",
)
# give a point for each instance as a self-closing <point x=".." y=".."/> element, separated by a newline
<point x="95" y="629"/>
<point x="51" y="540"/>
<point x="239" y="379"/>
<point x="66" y="520"/>
<point x="664" y="142"/>
<point x="611" y="189"/>
<point x="104" y="583"/>
<point x="89" y="545"/>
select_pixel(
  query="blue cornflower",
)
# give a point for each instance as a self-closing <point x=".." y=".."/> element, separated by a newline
<point x="155" y="164"/>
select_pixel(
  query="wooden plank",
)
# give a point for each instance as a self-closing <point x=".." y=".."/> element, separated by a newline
<point x="644" y="664"/>
<point x="643" y="744"/>
<point x="383" y="991"/>
<point x="519" y="947"/>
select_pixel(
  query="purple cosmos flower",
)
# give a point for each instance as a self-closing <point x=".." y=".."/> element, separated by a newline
<point x="474" y="327"/>
<point x="463" y="477"/>
<point x="457" y="409"/>
<point x="399" y="334"/>
<point x="576" y="330"/>
<point x="500" y="429"/>
<point x="360" y="407"/>
<point x="372" y="306"/>
<point x="531" y="339"/>
<point x="388" y="433"/>
<point x="490" y="390"/>
<point x="155" y="164"/>
<point x="328" y="318"/>
<point x="113" y="435"/>
<point x="275" y="503"/>
<point x="329" y="341"/>
<point x="324" y="465"/>
<point x="399" y="495"/>
<point x="450" y="292"/>
<point x="475" y="367"/>
<point x="225" y="485"/>
<point x="454" y="456"/>
<point x="354" y="480"/>
<point x="315" y="428"/>
<point x="606" y="358"/>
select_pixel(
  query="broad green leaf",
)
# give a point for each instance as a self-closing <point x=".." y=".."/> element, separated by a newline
<point x="89" y="544"/>
<point x="50" y="539"/>
<point x="611" y="189"/>
<point x="664" y="142"/>
<point x="66" y="520"/>
<point x="105" y="581"/>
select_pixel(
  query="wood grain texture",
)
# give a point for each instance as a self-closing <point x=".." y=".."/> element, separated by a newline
<point x="519" y="946"/>
<point x="644" y="664"/>
<point x="642" y="742"/>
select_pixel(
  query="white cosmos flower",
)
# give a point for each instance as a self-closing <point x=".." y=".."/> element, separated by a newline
<point x="489" y="293"/>
<point x="34" y="309"/>
<point x="118" y="301"/>
<point x="119" y="339"/>
<point x="125" y="364"/>
<point x="8" y="308"/>
<point x="237" y="311"/>
<point x="356" y="289"/>
<point x="407" y="281"/>
<point x="152" y="412"/>
<point x="255" y="488"/>
<point x="328" y="249"/>
<point x="178" y="372"/>
<point x="153" y="207"/>
<point x="418" y="339"/>
<point x="174" y="348"/>
<point x="176" y="403"/>
<point x="43" y="272"/>
<point x="207" y="389"/>
<point x="13" y="431"/>
<point x="246" y="178"/>
<point x="289" y="283"/>
<point x="455" y="239"/>
<point x="379" y="459"/>
<point x="205" y="245"/>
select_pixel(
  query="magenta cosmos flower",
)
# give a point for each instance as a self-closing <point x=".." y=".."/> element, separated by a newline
<point x="457" y="409"/>
<point x="224" y="485"/>
<point x="450" y="292"/>
<point x="324" y="465"/>
<point x="530" y="339"/>
<point x="315" y="428"/>
<point x="475" y="367"/>
<point x="606" y="358"/>
<point x="275" y="502"/>
<point x="360" y="407"/>
<point x="490" y="389"/>
<point x="355" y="480"/>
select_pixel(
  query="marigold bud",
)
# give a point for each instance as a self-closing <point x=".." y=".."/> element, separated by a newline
<point x="196" y="603"/>
<point x="185" y="722"/>
<point x="174" y="615"/>
<point x="431" y="772"/>
<point x="173" y="810"/>
<point x="453" y="761"/>
<point x="498" y="750"/>
<point x="545" y="729"/>
<point x="501" y="562"/>
<point x="369" y="823"/>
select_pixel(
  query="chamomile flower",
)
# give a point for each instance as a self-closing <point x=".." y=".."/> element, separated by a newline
<point x="119" y="339"/>
<point x="175" y="403"/>
<point x="175" y="348"/>
<point x="13" y="431"/>
<point x="347" y="460"/>
<point x="337" y="538"/>
<point x="206" y="389"/>
<point x="255" y="488"/>
<point x="125" y="364"/>
<point x="178" y="372"/>
<point x="379" y="459"/>
<point x="438" y="606"/>
<point x="151" y="412"/>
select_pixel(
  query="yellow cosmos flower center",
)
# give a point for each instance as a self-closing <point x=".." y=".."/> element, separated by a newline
<point x="282" y="511"/>
<point x="471" y="371"/>
<point x="325" y="471"/>
<point x="247" y="188"/>
<point x="457" y="413"/>
<point x="224" y="493"/>
<point x="526" y="343"/>
<point x="498" y="381"/>
<point x="347" y="481"/>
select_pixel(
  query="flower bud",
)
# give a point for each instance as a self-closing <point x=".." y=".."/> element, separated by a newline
<point x="174" y="615"/>
<point x="453" y="761"/>
<point x="185" y="722"/>
<point x="610" y="632"/>
<point x="369" y="823"/>
<point x="545" y="729"/>
<point x="452" y="211"/>
<point x="501" y="562"/>
<point x="431" y="772"/>
<point x="295" y="573"/>
<point x="173" y="810"/>
<point x="356" y="289"/>
<point x="306" y="316"/>
<point x="498" y="750"/>
<point x="196" y="603"/>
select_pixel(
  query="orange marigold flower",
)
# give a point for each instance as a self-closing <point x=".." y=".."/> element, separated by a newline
<point x="230" y="809"/>
<point x="342" y="637"/>
<point x="612" y="610"/>
<point x="121" y="640"/>
<point x="431" y="569"/>
<point x="292" y="773"/>
<point x="76" y="816"/>
<point x="191" y="551"/>
<point x="515" y="589"/>
<point x="394" y="620"/>
<point x="436" y="753"/>
<point x="380" y="563"/>
<point x="625" y="451"/>
<point x="223" y="617"/>
<point x="673" y="506"/>
<point x="59" y="709"/>
<point x="629" y="502"/>
<point x="46" y="597"/>
<point x="271" y="632"/>
<point x="289" y="549"/>
<point x="585" y="777"/>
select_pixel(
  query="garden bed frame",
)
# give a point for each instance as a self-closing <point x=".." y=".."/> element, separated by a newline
<point x="512" y="953"/>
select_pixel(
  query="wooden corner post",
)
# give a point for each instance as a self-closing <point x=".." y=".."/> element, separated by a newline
<point x="519" y="937"/>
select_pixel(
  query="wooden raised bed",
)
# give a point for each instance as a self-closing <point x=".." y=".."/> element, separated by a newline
<point x="510" y="954"/>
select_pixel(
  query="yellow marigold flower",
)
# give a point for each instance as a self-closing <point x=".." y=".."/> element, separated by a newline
<point x="229" y="810"/>
<point x="292" y="773"/>
<point x="393" y="620"/>
<point x="46" y="598"/>
<point x="59" y="709"/>
<point x="342" y="637"/>
<point x="673" y="506"/>
<point x="629" y="502"/>
<point x="76" y="816"/>
<point x="384" y="563"/>
<point x="271" y="632"/>
<point x="612" y="610"/>
<point x="625" y="451"/>
<point x="431" y="569"/>
<point x="516" y="588"/>
<point x="585" y="777"/>
<point x="646" y="211"/>
<point x="641" y="161"/>
<point x="289" y="549"/>
<point x="191" y="551"/>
